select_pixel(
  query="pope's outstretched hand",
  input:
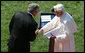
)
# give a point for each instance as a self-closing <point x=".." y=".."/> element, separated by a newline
<point x="38" y="31"/>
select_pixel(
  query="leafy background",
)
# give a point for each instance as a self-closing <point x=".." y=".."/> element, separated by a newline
<point x="75" y="8"/>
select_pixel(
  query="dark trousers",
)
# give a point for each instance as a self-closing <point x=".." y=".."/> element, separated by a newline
<point x="51" y="45"/>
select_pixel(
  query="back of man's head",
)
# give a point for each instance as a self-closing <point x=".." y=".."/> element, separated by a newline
<point x="33" y="7"/>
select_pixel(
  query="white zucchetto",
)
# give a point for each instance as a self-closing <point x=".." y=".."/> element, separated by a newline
<point x="59" y="7"/>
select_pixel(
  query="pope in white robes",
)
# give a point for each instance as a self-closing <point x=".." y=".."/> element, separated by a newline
<point x="62" y="28"/>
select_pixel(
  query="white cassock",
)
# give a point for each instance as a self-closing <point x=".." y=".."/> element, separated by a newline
<point x="65" y="27"/>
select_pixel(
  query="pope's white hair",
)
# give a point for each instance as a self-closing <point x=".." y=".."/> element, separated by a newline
<point x="59" y="7"/>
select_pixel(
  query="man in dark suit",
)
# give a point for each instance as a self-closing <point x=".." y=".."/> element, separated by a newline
<point x="22" y="29"/>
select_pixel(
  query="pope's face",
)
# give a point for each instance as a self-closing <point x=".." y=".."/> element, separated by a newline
<point x="59" y="13"/>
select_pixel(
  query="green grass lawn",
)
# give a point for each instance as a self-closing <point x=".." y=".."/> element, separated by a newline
<point x="8" y="8"/>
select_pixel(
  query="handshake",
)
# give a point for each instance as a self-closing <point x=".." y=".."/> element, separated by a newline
<point x="37" y="32"/>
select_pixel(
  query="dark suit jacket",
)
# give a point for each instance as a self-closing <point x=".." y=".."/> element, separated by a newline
<point x="22" y="30"/>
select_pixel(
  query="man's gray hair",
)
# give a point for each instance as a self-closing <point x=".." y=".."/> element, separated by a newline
<point x="33" y="7"/>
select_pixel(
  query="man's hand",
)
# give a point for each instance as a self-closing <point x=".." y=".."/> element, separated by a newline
<point x="36" y="32"/>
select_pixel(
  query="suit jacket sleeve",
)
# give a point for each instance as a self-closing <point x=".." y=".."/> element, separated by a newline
<point x="32" y="29"/>
<point x="29" y="28"/>
<point x="32" y="37"/>
<point x="30" y="32"/>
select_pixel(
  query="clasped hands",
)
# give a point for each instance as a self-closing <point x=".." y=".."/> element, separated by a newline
<point x="37" y="32"/>
<point x="41" y="30"/>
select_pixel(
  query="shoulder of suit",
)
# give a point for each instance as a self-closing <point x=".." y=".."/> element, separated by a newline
<point x="19" y="12"/>
<point x="22" y="13"/>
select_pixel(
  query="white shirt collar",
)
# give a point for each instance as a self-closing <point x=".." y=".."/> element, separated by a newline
<point x="31" y="14"/>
